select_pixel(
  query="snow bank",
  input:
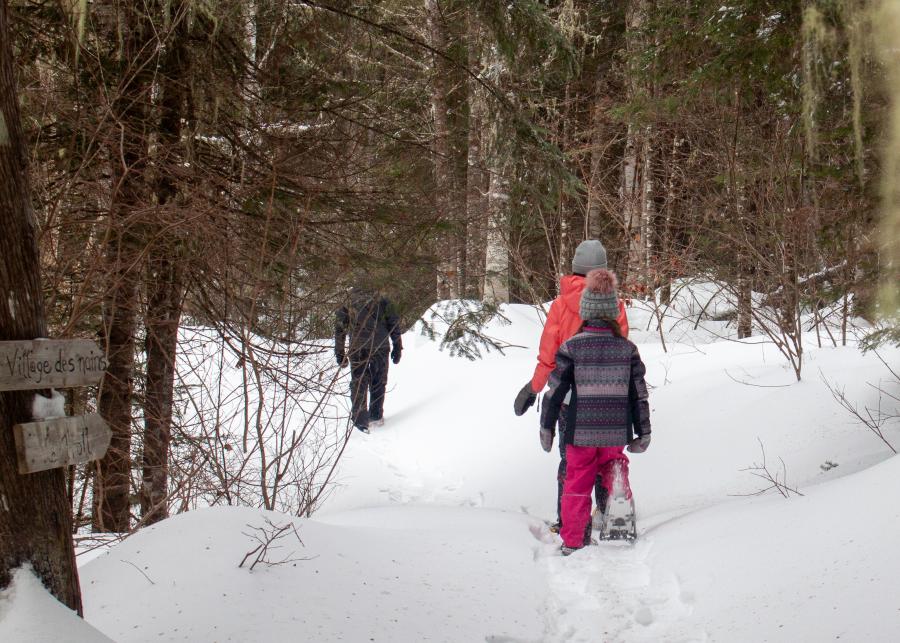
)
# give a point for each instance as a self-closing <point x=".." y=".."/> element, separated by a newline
<point x="813" y="568"/>
<point x="387" y="574"/>
<point x="29" y="613"/>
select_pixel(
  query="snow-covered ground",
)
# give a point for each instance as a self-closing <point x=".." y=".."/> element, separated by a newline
<point x="437" y="529"/>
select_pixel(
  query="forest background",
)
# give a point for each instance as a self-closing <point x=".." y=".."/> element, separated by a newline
<point x="220" y="173"/>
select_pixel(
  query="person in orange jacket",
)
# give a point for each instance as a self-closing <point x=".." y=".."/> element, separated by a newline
<point x="564" y="321"/>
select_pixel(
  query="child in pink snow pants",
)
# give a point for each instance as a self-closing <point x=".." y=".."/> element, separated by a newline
<point x="608" y="404"/>
<point x="584" y="464"/>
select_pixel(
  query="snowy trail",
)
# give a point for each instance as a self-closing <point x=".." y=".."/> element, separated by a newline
<point x="603" y="593"/>
<point x="609" y="592"/>
<point x="444" y="451"/>
<point x="606" y="592"/>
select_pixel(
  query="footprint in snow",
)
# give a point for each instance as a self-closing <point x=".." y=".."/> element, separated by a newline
<point x="644" y="616"/>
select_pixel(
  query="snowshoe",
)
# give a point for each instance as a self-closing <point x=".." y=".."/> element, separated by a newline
<point x="618" y="523"/>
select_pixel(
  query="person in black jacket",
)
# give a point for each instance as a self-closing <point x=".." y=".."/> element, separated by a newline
<point x="374" y="332"/>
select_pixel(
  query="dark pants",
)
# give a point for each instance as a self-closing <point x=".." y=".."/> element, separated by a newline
<point x="600" y="493"/>
<point x="368" y="381"/>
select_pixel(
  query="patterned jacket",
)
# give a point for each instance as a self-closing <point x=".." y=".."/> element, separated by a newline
<point x="563" y="322"/>
<point x="609" y="395"/>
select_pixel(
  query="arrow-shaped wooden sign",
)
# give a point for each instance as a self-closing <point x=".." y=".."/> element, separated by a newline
<point x="58" y="442"/>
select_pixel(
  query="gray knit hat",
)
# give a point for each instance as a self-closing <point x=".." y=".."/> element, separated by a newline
<point x="599" y="299"/>
<point x="589" y="254"/>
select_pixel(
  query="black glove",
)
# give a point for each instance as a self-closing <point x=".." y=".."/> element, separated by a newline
<point x="639" y="444"/>
<point x="547" y="438"/>
<point x="395" y="353"/>
<point x="524" y="399"/>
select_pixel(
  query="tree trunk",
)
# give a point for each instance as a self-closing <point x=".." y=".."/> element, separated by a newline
<point x="632" y="205"/>
<point x="790" y="300"/>
<point x="604" y="186"/>
<point x="112" y="482"/>
<point x="496" y="286"/>
<point x="35" y="516"/>
<point x="128" y="143"/>
<point x="636" y="183"/>
<point x="476" y="211"/>
<point x="163" y="316"/>
<point x="668" y="201"/>
<point x="477" y="182"/>
<point x="744" y="296"/>
<point x="648" y="211"/>
<point x="607" y="136"/>
<point x="744" y="260"/>
<point x="449" y="103"/>
<point x="569" y="233"/>
<point x="165" y="281"/>
<point x="461" y="130"/>
<point x="443" y="178"/>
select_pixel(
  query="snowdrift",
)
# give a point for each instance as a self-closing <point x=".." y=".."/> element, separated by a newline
<point x="29" y="613"/>
<point x="388" y="574"/>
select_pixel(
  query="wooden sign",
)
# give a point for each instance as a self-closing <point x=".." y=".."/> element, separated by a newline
<point x="58" y="442"/>
<point x="50" y="363"/>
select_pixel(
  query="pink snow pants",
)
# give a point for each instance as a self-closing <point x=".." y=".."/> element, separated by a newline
<point x="584" y="463"/>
